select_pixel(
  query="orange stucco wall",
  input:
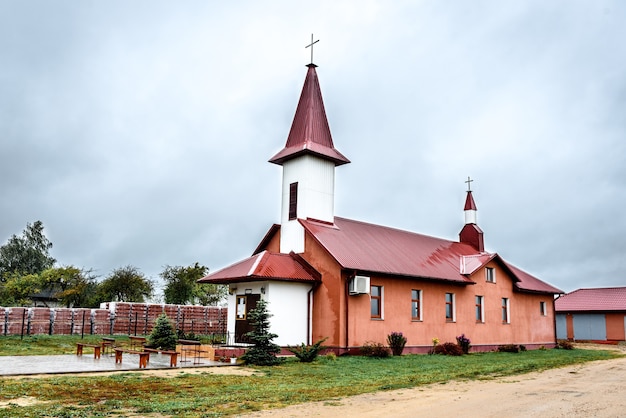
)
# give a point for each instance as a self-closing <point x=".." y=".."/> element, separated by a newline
<point x="274" y="244"/>
<point x="527" y="324"/>
<point x="328" y="317"/>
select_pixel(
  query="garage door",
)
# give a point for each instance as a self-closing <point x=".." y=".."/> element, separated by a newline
<point x="561" y="327"/>
<point x="589" y="327"/>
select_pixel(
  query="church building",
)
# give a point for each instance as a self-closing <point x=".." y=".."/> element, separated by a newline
<point x="353" y="282"/>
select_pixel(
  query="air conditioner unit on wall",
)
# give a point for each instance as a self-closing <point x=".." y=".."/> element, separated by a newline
<point x="359" y="285"/>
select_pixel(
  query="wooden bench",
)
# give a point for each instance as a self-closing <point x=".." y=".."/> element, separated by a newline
<point x="96" y="349"/>
<point x="144" y="356"/>
<point x="173" y="355"/>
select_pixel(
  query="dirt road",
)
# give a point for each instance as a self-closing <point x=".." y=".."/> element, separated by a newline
<point x="595" y="389"/>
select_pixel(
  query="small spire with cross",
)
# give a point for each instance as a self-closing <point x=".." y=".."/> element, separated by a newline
<point x="311" y="45"/>
<point x="469" y="181"/>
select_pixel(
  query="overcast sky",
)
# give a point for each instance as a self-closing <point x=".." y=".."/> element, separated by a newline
<point x="139" y="132"/>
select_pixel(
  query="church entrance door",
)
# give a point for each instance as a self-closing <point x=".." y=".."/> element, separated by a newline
<point x="245" y="303"/>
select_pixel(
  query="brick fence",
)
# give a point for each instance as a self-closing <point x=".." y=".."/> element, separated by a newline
<point x="112" y="318"/>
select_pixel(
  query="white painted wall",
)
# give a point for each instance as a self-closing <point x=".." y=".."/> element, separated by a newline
<point x="239" y="289"/>
<point x="287" y="302"/>
<point x="316" y="197"/>
<point x="230" y="317"/>
<point x="288" y="305"/>
<point x="470" y="216"/>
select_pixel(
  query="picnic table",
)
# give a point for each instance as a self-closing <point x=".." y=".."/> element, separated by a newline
<point x="192" y="347"/>
<point x="136" y="343"/>
<point x="108" y="344"/>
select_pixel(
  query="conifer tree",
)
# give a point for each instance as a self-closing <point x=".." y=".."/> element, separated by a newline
<point x="163" y="335"/>
<point x="264" y="351"/>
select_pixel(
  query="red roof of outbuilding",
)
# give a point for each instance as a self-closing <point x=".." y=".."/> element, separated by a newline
<point x="373" y="248"/>
<point x="263" y="266"/>
<point x="310" y="132"/>
<point x="598" y="299"/>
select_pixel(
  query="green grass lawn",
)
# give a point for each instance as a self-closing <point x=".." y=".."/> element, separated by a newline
<point x="38" y="345"/>
<point x="210" y="395"/>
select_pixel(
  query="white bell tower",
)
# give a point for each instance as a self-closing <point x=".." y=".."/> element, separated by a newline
<point x="308" y="159"/>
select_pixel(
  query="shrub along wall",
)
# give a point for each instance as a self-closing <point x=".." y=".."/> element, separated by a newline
<point x="112" y="318"/>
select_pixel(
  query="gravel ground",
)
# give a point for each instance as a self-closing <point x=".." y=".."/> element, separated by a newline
<point x="594" y="389"/>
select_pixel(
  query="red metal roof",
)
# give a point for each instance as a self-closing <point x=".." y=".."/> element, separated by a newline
<point x="529" y="283"/>
<point x="373" y="248"/>
<point x="598" y="299"/>
<point x="469" y="202"/>
<point x="310" y="132"/>
<point x="263" y="266"/>
<point x="471" y="263"/>
<point x="367" y="247"/>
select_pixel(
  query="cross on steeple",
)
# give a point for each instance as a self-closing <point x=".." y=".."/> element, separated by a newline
<point x="311" y="45"/>
<point x="468" y="181"/>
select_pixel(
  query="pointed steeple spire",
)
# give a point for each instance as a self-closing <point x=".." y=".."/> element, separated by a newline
<point x="310" y="132"/>
<point x="470" y="209"/>
<point x="471" y="233"/>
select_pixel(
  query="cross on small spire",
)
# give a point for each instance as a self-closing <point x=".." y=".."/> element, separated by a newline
<point x="468" y="181"/>
<point x="311" y="45"/>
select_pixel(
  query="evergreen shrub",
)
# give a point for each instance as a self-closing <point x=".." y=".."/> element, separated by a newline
<point x="372" y="349"/>
<point x="565" y="345"/>
<point x="264" y="350"/>
<point x="307" y="353"/>
<point x="163" y="335"/>
<point x="508" y="348"/>
<point x="396" y="342"/>
<point x="448" y="349"/>
<point x="464" y="343"/>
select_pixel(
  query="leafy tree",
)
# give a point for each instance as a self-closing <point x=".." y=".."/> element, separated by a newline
<point x="163" y="335"/>
<point x="182" y="287"/>
<point x="180" y="283"/>
<point x="125" y="284"/>
<point x="27" y="253"/>
<point x="210" y="294"/>
<point x="72" y="286"/>
<point x="17" y="289"/>
<point x="264" y="351"/>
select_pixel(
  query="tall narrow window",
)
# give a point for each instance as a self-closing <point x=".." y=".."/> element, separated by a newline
<point x="543" y="308"/>
<point x="416" y="305"/>
<point x="450" y="314"/>
<point x="490" y="274"/>
<point x="376" y="302"/>
<point x="506" y="314"/>
<point x="293" y="201"/>
<point x="480" y="311"/>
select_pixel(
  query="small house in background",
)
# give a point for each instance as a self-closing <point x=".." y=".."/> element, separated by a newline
<point x="354" y="283"/>
<point x="46" y="298"/>
<point x="597" y="314"/>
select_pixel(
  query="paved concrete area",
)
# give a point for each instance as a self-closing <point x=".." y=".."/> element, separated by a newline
<point x="71" y="363"/>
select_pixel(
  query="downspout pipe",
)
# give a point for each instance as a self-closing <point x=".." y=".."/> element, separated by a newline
<point x="346" y="296"/>
<point x="309" y="307"/>
<point x="347" y="310"/>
